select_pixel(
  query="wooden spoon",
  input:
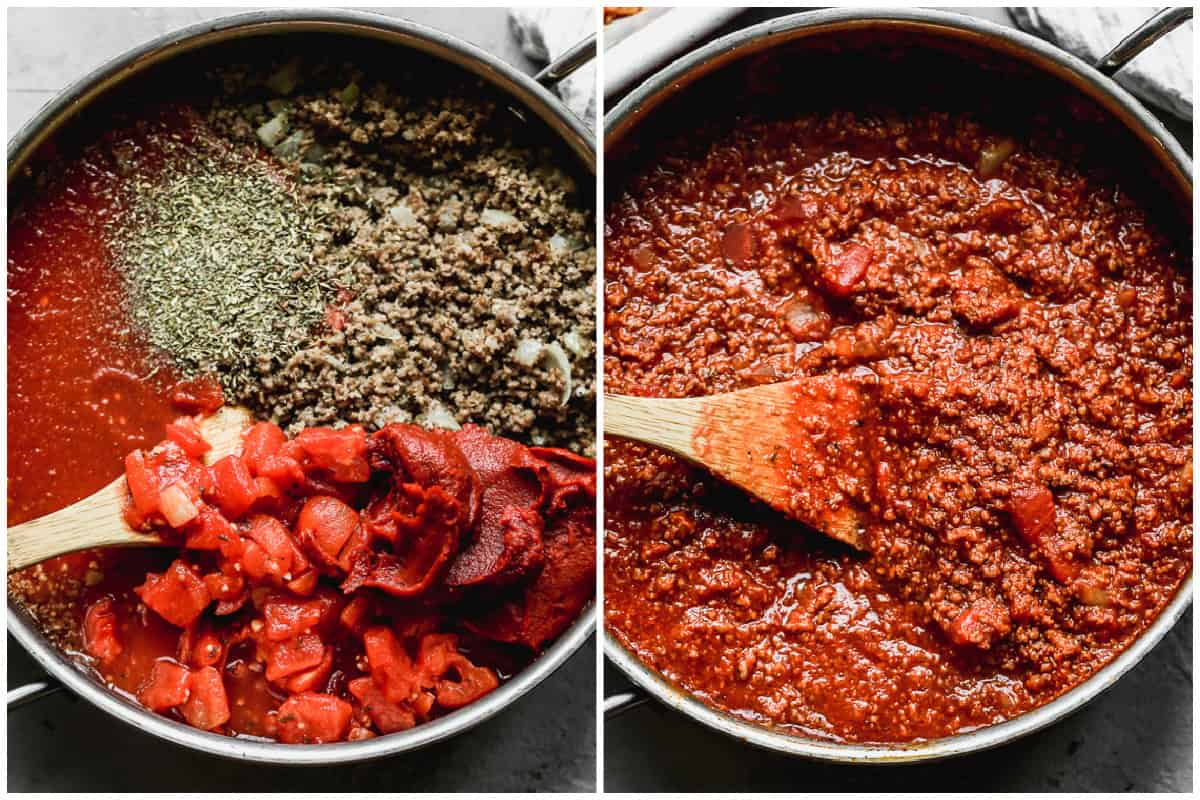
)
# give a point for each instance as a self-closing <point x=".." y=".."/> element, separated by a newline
<point x="97" y="520"/>
<point x="799" y="446"/>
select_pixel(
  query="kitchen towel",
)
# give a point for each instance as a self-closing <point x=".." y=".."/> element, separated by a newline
<point x="1161" y="74"/>
<point x="546" y="33"/>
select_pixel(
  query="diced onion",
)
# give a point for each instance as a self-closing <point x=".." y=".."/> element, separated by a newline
<point x="284" y="79"/>
<point x="1094" y="595"/>
<point x="573" y="342"/>
<point x="438" y="416"/>
<point x="528" y="352"/>
<point x="993" y="156"/>
<point x="403" y="215"/>
<point x="272" y="131"/>
<point x="176" y="506"/>
<point x="496" y="218"/>
<point x="559" y="361"/>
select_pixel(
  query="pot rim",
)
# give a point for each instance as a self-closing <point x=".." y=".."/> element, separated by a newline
<point x="677" y="77"/>
<point x="74" y="99"/>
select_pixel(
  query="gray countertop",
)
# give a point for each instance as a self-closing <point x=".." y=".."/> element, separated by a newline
<point x="544" y="742"/>
<point x="1135" y="737"/>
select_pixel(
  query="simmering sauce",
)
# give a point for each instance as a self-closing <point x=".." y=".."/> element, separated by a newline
<point x="1023" y="332"/>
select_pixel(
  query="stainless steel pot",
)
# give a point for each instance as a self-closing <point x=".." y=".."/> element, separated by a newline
<point x="621" y="127"/>
<point x="528" y="95"/>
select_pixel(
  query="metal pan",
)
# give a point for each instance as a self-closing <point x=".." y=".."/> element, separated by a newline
<point x="528" y="95"/>
<point x="621" y="127"/>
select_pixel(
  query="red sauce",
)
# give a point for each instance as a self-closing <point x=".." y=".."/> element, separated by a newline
<point x="1024" y="330"/>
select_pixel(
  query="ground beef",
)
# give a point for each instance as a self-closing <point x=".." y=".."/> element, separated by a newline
<point x="465" y="257"/>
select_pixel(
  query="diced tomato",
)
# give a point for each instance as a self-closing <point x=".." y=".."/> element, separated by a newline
<point x="225" y="587"/>
<point x="390" y="666"/>
<point x="737" y="243"/>
<point x="185" y="432"/>
<point x="207" y="650"/>
<point x="276" y="543"/>
<point x="169" y="685"/>
<point x="178" y="595"/>
<point x="311" y="718"/>
<point x="234" y="489"/>
<point x="1033" y="514"/>
<point x="305" y="584"/>
<point x="286" y="619"/>
<point x="1032" y="509"/>
<point x="981" y="624"/>
<point x="355" y="615"/>
<point x="209" y="531"/>
<point x="267" y="494"/>
<point x="388" y="717"/>
<point x="100" y="630"/>
<point x="309" y="680"/>
<point x="200" y="396"/>
<point x="293" y="655"/>
<point x="436" y="655"/>
<point x="280" y="468"/>
<point x="342" y="453"/>
<point x="473" y="682"/>
<point x="261" y="440"/>
<point x="325" y="525"/>
<point x="847" y="269"/>
<point x="256" y="562"/>
<point x="143" y="487"/>
<point x="207" y="706"/>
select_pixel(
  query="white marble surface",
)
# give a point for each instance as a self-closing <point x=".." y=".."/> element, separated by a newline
<point x="544" y="742"/>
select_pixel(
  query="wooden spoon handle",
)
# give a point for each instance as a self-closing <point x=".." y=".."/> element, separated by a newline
<point x="98" y="520"/>
<point x="669" y="424"/>
<point x="58" y="533"/>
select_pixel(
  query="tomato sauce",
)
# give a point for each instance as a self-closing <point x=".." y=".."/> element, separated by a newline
<point x="1022" y="328"/>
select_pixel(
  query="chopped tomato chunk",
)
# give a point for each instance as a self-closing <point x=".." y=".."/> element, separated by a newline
<point x="260" y="441"/>
<point x="390" y="666"/>
<point x="234" y="489"/>
<point x="293" y="655"/>
<point x="179" y="595"/>
<point x="200" y="396"/>
<point x="168" y="686"/>
<point x="143" y="487"/>
<point x="342" y="453"/>
<point x="100" y="631"/>
<point x="311" y="718"/>
<point x="207" y="705"/>
<point x="387" y="716"/>
<point x="286" y="619"/>
<point x="185" y="432"/>
<point x="847" y="269"/>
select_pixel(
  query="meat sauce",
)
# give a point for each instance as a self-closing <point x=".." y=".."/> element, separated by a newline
<point x="1022" y="332"/>
<point x="86" y="394"/>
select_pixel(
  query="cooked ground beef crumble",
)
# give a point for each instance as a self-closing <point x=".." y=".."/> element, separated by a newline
<point x="465" y="260"/>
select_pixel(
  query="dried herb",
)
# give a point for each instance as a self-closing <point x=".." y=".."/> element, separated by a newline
<point x="217" y="254"/>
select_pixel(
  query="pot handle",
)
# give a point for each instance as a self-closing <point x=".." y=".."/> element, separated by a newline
<point x="30" y="692"/>
<point x="617" y="704"/>
<point x="561" y="68"/>
<point x="1146" y="34"/>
